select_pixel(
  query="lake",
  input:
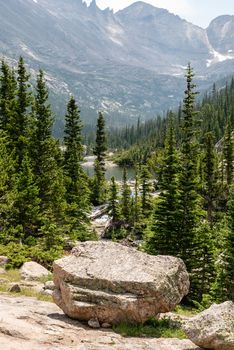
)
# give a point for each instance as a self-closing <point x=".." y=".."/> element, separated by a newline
<point x="112" y="169"/>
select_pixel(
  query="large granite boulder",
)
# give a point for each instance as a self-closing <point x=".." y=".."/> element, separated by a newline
<point x="213" y="328"/>
<point x="115" y="283"/>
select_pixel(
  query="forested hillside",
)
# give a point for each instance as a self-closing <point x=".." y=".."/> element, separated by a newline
<point x="46" y="197"/>
<point x="137" y="143"/>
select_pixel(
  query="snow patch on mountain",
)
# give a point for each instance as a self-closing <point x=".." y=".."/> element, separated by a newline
<point x="219" y="57"/>
<point x="28" y="51"/>
<point x="116" y="34"/>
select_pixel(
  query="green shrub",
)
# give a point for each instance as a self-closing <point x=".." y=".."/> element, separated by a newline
<point x="152" y="328"/>
<point x="16" y="253"/>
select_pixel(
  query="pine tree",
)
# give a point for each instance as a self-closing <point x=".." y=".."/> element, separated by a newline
<point x="113" y="201"/>
<point x="228" y="152"/>
<point x="126" y="200"/>
<point x="224" y="286"/>
<point x="165" y="229"/>
<point x="99" y="191"/>
<point x="77" y="193"/>
<point x="45" y="153"/>
<point x="7" y="189"/>
<point x="19" y="124"/>
<point x="202" y="274"/>
<point x="101" y="147"/>
<point x="189" y="209"/>
<point x="146" y="202"/>
<point x="210" y="191"/>
<point x="26" y="206"/>
<point x="136" y="206"/>
<point x="7" y="95"/>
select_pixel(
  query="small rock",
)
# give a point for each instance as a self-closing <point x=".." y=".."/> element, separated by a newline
<point x="4" y="281"/>
<point x="49" y="285"/>
<point x="33" y="285"/>
<point x="106" y="325"/>
<point x="15" y="288"/>
<point x="33" y="271"/>
<point x="94" y="323"/>
<point x="3" y="260"/>
<point x="46" y="292"/>
<point x="213" y="328"/>
<point x="2" y="271"/>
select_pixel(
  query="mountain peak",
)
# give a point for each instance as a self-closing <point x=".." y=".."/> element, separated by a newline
<point x="93" y="4"/>
<point x="142" y="7"/>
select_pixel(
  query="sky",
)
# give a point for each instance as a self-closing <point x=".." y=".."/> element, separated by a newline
<point x="199" y="12"/>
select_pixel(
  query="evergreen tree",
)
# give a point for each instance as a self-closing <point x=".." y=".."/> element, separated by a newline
<point x="136" y="206"/>
<point x="126" y="200"/>
<point x="224" y="286"/>
<point x="202" y="274"/>
<point x="113" y="201"/>
<point x="19" y="124"/>
<point x="100" y="147"/>
<point x="7" y="95"/>
<point x="189" y="209"/>
<point x="26" y="206"/>
<point x="77" y="193"/>
<point x="99" y="190"/>
<point x="165" y="229"/>
<point x="7" y="189"/>
<point x="146" y="202"/>
<point x="228" y="152"/>
<point x="46" y="157"/>
<point x="210" y="182"/>
<point x="43" y="112"/>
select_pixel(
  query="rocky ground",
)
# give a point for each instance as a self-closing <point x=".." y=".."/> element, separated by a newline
<point x="29" y="324"/>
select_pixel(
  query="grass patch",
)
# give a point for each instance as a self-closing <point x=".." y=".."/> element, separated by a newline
<point x="11" y="276"/>
<point x="185" y="310"/>
<point x="152" y="328"/>
<point x="45" y="279"/>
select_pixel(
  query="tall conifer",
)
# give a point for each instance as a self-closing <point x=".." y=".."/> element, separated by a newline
<point x="126" y="199"/>
<point x="165" y="229"/>
<point x="77" y="192"/>
<point x="189" y="209"/>
<point x="113" y="201"/>
<point x="18" y="126"/>
<point x="228" y="152"/>
<point x="210" y="182"/>
<point x="45" y="155"/>
<point x="146" y="201"/>
<point x="7" y="94"/>
<point x="99" y="183"/>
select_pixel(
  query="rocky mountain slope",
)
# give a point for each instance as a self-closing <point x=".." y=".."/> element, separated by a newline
<point x="128" y="64"/>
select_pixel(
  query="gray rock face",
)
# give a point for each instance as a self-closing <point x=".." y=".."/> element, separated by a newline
<point x="115" y="283"/>
<point x="29" y="324"/>
<point x="33" y="271"/>
<point x="213" y="328"/>
<point x="221" y="34"/>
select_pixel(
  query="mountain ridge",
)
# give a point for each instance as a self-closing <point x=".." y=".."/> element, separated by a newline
<point x="129" y="64"/>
